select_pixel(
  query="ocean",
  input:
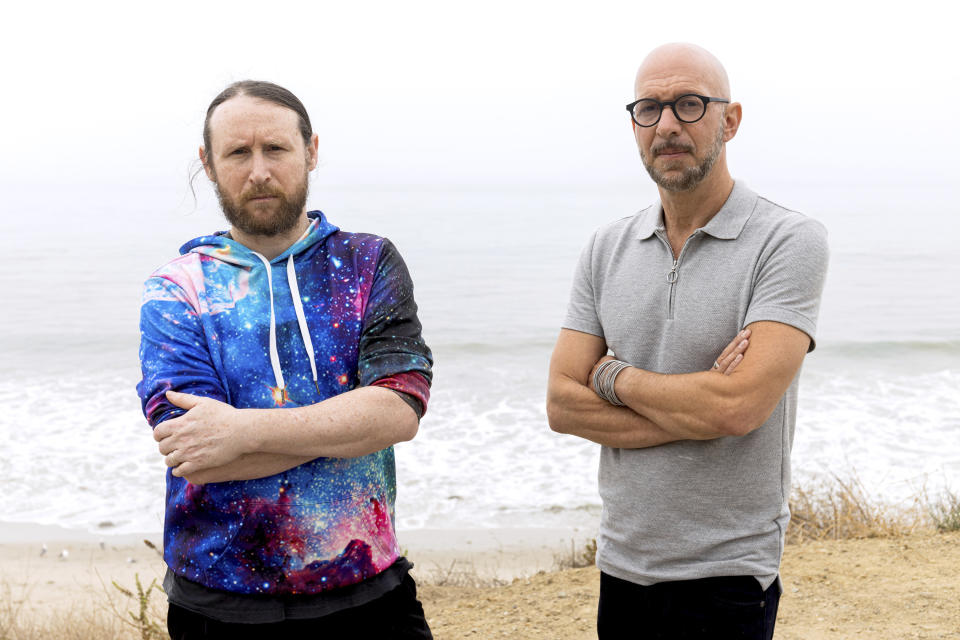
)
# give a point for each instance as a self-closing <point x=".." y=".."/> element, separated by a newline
<point x="879" y="397"/>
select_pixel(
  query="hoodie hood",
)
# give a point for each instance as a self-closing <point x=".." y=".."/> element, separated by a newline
<point x="222" y="247"/>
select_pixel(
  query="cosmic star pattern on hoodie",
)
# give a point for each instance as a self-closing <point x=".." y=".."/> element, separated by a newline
<point x="333" y="312"/>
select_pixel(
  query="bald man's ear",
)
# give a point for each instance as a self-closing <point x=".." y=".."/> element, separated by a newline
<point x="207" y="166"/>
<point x="731" y="120"/>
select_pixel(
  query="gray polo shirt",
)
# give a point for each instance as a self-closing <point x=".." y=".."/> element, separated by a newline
<point x="696" y="509"/>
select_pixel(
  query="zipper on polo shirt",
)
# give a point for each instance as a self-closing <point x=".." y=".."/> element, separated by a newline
<point x="672" y="279"/>
<point x="674" y="274"/>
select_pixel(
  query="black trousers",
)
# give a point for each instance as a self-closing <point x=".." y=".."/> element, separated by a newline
<point x="725" y="608"/>
<point x="397" y="614"/>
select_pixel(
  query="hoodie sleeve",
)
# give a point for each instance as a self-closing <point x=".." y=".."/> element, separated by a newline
<point x="392" y="351"/>
<point x="174" y="351"/>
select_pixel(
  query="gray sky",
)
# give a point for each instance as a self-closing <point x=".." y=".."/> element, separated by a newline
<point x="450" y="94"/>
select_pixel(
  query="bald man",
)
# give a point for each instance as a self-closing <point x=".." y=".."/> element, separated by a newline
<point x="695" y="459"/>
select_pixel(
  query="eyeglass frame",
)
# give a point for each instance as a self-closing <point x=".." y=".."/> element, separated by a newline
<point x="673" y="107"/>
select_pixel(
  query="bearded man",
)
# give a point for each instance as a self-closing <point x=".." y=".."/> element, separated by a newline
<point x="695" y="463"/>
<point x="281" y="361"/>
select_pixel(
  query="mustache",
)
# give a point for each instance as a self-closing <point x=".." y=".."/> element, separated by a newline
<point x="260" y="191"/>
<point x="671" y="147"/>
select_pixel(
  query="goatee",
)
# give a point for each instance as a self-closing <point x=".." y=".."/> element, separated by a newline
<point x="689" y="177"/>
<point x="243" y="212"/>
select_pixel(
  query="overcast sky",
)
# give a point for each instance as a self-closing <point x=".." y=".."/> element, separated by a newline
<point x="452" y="94"/>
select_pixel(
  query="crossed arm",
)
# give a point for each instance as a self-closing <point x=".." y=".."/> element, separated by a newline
<point x="663" y="408"/>
<point x="215" y="442"/>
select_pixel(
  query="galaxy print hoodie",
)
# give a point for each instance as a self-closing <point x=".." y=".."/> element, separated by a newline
<point x="333" y="312"/>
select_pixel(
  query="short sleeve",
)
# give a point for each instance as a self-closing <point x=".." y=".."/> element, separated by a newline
<point x="582" y="311"/>
<point x="790" y="277"/>
<point x="173" y="351"/>
<point x="393" y="353"/>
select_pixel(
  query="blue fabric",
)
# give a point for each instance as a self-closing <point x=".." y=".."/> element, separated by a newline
<point x="205" y="330"/>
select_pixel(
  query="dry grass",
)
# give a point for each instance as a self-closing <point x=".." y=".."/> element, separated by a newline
<point x="148" y="619"/>
<point x="837" y="509"/>
<point x="842" y="509"/>
<point x="136" y="613"/>
<point x="585" y="556"/>
<point x="65" y="625"/>
<point x="459" y="574"/>
<point x="945" y="513"/>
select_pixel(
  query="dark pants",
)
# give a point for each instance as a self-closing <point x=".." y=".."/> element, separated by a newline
<point x="397" y="614"/>
<point x="715" y="608"/>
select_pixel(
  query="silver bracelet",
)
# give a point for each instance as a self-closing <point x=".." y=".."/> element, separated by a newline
<point x="604" y="379"/>
<point x="598" y="379"/>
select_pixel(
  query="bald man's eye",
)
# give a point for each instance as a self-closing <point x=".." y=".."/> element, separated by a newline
<point x="646" y="112"/>
<point x="690" y="108"/>
<point x="646" y="108"/>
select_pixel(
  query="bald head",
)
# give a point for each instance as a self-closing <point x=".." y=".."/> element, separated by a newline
<point x="680" y="63"/>
<point x="682" y="147"/>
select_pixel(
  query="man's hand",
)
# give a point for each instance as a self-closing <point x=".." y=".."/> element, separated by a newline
<point x="574" y="407"/>
<point x="239" y="444"/>
<point x="726" y="362"/>
<point x="206" y="436"/>
<point x="732" y="354"/>
<point x="698" y="406"/>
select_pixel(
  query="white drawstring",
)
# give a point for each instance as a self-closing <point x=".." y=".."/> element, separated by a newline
<point x="274" y="356"/>
<point x="301" y="318"/>
<point x="301" y="322"/>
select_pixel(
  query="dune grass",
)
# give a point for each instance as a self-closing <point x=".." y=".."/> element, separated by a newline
<point x="134" y="613"/>
<point x="945" y="512"/>
<point x="831" y="510"/>
<point x="835" y="509"/>
<point x="147" y="620"/>
<point x="841" y="509"/>
<point x="459" y="574"/>
<point x="68" y="624"/>
<point x="575" y="558"/>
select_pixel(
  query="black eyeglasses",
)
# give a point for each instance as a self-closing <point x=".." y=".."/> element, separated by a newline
<point x="687" y="108"/>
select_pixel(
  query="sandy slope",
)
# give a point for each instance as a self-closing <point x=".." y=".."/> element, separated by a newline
<point x="880" y="589"/>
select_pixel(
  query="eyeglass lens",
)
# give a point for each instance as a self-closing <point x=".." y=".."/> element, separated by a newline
<point x="686" y="108"/>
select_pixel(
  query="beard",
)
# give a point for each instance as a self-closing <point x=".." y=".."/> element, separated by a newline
<point x="690" y="177"/>
<point x="242" y="214"/>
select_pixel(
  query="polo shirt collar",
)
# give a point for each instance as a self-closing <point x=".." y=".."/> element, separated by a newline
<point x="650" y="221"/>
<point x="733" y="215"/>
<point x="725" y="225"/>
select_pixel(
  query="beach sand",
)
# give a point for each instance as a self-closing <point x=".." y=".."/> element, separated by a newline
<point x="905" y="587"/>
<point x="881" y="589"/>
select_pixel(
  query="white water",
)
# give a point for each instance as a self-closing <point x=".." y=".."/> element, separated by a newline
<point x="880" y="397"/>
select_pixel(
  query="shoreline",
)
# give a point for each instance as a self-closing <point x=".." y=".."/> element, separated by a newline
<point x="48" y="568"/>
<point x="488" y="555"/>
<point x="886" y="588"/>
<point x="503" y="553"/>
<point x="27" y="532"/>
